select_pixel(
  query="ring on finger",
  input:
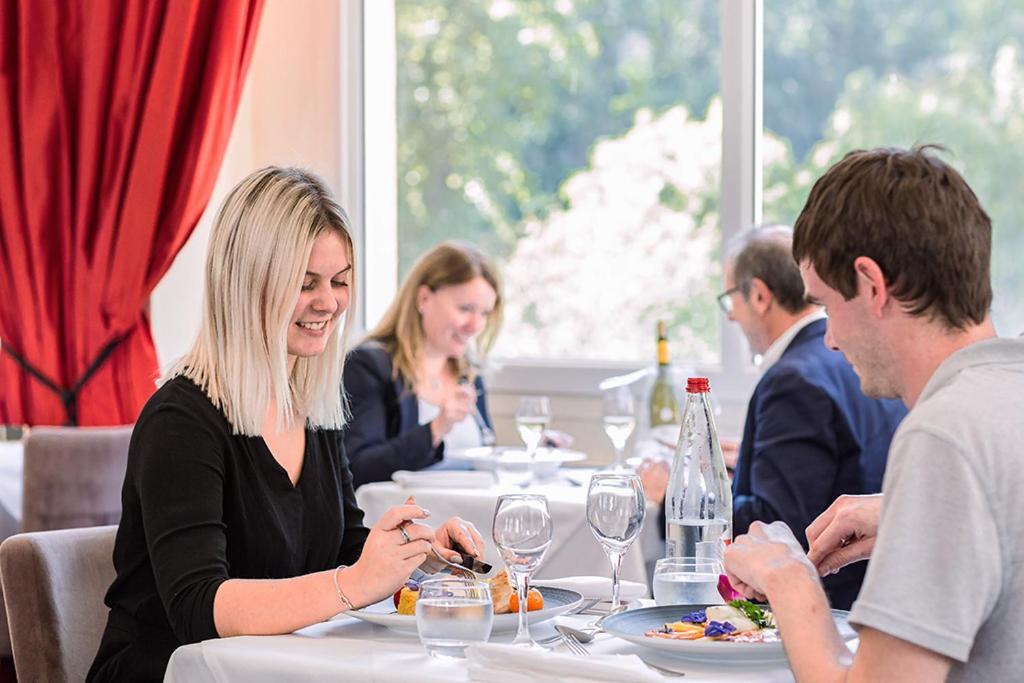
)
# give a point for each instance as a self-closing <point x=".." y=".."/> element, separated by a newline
<point x="405" y="534"/>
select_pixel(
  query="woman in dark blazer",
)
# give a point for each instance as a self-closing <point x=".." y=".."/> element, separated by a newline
<point x="413" y="386"/>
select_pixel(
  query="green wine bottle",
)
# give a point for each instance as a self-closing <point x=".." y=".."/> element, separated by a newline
<point x="662" y="404"/>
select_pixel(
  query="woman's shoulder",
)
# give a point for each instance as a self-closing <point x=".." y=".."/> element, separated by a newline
<point x="370" y="356"/>
<point x="181" y="401"/>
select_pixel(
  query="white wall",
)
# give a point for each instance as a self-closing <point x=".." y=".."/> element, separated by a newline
<point x="289" y="115"/>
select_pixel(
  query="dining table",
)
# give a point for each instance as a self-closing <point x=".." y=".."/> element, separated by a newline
<point x="355" y="651"/>
<point x="574" y="550"/>
<point x="12" y="457"/>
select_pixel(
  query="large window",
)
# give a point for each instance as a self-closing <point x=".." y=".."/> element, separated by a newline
<point x="842" y="76"/>
<point x="599" y="149"/>
<point x="579" y="142"/>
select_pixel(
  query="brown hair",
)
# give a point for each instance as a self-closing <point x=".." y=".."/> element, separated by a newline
<point x="916" y="217"/>
<point x="400" y="331"/>
<point x="765" y="252"/>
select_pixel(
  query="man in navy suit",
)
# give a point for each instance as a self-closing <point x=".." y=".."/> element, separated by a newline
<point x="810" y="434"/>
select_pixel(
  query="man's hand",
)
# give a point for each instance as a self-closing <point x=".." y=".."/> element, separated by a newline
<point x="654" y="477"/>
<point x="766" y="553"/>
<point x="844" y="533"/>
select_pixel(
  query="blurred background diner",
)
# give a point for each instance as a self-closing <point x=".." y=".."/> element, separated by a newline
<point x="545" y="201"/>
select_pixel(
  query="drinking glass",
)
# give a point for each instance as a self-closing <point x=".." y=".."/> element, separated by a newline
<point x="687" y="581"/>
<point x="453" y="613"/>
<point x="532" y="419"/>
<point x="615" y="512"/>
<point x="619" y="421"/>
<point x="522" y="533"/>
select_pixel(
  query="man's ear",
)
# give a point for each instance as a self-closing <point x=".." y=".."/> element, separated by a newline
<point x="871" y="284"/>
<point x="760" y="297"/>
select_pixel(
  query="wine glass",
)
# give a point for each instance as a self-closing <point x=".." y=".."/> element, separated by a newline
<point x="532" y="419"/>
<point x="619" y="421"/>
<point x="615" y="512"/>
<point x="522" y="533"/>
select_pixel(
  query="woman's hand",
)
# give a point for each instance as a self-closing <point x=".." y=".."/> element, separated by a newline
<point x="844" y="533"/>
<point x="394" y="548"/>
<point x="766" y="553"/>
<point x="454" y="409"/>
<point x="457" y="531"/>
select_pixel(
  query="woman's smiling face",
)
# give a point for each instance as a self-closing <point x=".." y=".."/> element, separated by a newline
<point x="324" y="296"/>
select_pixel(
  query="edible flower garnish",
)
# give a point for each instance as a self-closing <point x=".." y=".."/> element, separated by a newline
<point x="726" y="590"/>
<point x="751" y="611"/>
<point x="718" y="628"/>
<point x="698" y="617"/>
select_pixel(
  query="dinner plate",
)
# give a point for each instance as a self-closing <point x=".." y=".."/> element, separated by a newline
<point x="633" y="624"/>
<point x="493" y="457"/>
<point x="556" y="601"/>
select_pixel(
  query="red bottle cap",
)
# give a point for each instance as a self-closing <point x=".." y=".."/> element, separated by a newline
<point x="697" y="385"/>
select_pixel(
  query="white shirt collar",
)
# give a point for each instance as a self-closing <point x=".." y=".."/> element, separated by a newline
<point x="779" y="346"/>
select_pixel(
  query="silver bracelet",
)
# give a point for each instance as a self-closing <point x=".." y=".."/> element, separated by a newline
<point x="337" y="588"/>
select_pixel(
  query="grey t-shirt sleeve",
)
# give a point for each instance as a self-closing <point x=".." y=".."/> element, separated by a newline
<point x="936" y="569"/>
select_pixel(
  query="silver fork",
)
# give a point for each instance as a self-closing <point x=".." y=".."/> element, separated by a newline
<point x="574" y="645"/>
<point x="580" y="650"/>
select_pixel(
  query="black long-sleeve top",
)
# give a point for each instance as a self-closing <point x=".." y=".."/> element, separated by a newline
<point x="201" y="505"/>
<point x="385" y="435"/>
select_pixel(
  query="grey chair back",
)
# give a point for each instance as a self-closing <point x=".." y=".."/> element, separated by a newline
<point x="54" y="583"/>
<point x="73" y="476"/>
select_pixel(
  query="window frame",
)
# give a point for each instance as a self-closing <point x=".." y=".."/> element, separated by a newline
<point x="369" y="121"/>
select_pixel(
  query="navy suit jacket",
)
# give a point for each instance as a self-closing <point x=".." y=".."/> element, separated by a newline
<point x="811" y="436"/>
<point x="384" y="434"/>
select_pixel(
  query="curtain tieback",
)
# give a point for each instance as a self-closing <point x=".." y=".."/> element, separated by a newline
<point x="69" y="397"/>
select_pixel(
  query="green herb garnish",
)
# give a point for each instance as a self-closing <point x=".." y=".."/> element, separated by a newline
<point x="752" y="612"/>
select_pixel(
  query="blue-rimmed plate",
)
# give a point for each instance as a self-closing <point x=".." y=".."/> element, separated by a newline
<point x="556" y="601"/>
<point x="632" y="626"/>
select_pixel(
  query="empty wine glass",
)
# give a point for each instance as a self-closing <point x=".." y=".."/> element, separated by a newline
<point x="615" y="512"/>
<point x="522" y="533"/>
<point x="532" y="419"/>
<point x="619" y="421"/>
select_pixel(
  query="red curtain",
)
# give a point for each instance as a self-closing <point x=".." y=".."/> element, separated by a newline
<point x="114" y="117"/>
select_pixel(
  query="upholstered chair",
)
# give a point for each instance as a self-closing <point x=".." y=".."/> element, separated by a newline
<point x="54" y="583"/>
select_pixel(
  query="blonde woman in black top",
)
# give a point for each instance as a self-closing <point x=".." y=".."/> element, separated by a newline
<point x="239" y="516"/>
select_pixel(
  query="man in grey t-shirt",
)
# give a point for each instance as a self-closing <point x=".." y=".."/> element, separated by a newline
<point x="896" y="246"/>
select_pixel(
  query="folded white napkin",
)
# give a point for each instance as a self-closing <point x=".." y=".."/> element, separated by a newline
<point x="446" y="479"/>
<point x="598" y="587"/>
<point x="497" y="663"/>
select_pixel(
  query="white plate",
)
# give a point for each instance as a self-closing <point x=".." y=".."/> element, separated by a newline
<point x="633" y="624"/>
<point x="556" y="601"/>
<point x="491" y="457"/>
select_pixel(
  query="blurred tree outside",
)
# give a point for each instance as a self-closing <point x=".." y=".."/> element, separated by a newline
<point x="578" y="141"/>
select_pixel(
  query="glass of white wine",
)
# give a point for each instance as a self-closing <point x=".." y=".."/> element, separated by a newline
<point x="532" y="419"/>
<point x="619" y="421"/>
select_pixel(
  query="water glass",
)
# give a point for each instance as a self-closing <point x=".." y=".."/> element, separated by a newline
<point x="615" y="513"/>
<point x="687" y="581"/>
<point x="453" y="613"/>
<point x="619" y="420"/>
<point x="522" y="532"/>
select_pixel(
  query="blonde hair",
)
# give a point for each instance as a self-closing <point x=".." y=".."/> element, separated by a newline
<point x="400" y="331"/>
<point x="259" y="249"/>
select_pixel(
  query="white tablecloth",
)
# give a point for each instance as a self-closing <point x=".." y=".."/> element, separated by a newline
<point x="354" y="651"/>
<point x="574" y="550"/>
<point x="11" y="460"/>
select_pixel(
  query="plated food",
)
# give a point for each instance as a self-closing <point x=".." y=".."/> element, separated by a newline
<point x="741" y="621"/>
<point x="503" y="596"/>
<point x="556" y="601"/>
<point x="760" y="646"/>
